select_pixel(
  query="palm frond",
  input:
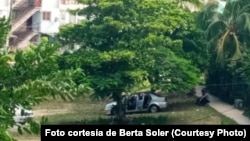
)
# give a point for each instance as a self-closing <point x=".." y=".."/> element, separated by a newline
<point x="231" y="9"/>
<point x="215" y="28"/>
<point x="220" y="48"/>
<point x="245" y="9"/>
<point x="243" y="21"/>
<point x="207" y="15"/>
<point x="211" y="6"/>
<point x="237" y="51"/>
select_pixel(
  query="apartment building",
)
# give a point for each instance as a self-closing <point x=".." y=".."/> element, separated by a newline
<point x="33" y="18"/>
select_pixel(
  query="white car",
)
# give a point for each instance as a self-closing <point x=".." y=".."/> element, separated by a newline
<point x="140" y="102"/>
<point x="22" y="115"/>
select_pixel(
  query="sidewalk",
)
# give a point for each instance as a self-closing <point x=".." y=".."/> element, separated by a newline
<point x="226" y="109"/>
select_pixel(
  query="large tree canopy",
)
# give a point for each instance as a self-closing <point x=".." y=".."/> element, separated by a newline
<point x="121" y="41"/>
<point x="125" y="44"/>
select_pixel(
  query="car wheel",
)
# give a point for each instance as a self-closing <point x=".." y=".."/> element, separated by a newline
<point x="153" y="109"/>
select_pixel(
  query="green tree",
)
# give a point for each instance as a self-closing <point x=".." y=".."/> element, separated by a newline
<point x="126" y="43"/>
<point x="30" y="78"/>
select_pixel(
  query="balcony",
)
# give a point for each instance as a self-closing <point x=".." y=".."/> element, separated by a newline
<point x="23" y="10"/>
<point x="22" y="16"/>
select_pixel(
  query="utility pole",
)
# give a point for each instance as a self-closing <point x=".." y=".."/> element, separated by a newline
<point x="9" y="27"/>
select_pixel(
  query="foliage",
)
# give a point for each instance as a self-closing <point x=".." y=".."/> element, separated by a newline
<point x="247" y="112"/>
<point x="114" y="30"/>
<point x="30" y="77"/>
<point x="227" y="35"/>
<point x="4" y="24"/>
<point x="165" y="73"/>
<point x="227" y="32"/>
<point x="194" y="43"/>
<point x="128" y="42"/>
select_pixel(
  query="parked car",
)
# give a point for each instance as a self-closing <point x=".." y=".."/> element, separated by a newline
<point x="22" y="115"/>
<point x="140" y="102"/>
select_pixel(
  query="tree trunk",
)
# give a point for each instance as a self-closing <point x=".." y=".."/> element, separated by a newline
<point x="120" y="117"/>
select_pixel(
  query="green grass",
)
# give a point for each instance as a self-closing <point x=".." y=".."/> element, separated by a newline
<point x="181" y="111"/>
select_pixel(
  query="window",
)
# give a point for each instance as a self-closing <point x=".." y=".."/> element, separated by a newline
<point x="46" y="15"/>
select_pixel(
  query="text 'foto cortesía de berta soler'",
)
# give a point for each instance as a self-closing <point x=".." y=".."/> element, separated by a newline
<point x="173" y="133"/>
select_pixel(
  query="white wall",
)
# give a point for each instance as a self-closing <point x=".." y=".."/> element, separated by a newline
<point x="59" y="15"/>
<point x="4" y="13"/>
<point x="4" y="3"/>
<point x="70" y="6"/>
<point x="4" y="8"/>
<point x="51" y="26"/>
<point x="66" y="17"/>
<point x="50" y="4"/>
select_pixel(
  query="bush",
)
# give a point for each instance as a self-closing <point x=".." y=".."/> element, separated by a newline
<point x="4" y="136"/>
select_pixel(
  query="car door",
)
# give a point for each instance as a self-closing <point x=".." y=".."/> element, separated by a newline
<point x="131" y="103"/>
<point x="139" y="102"/>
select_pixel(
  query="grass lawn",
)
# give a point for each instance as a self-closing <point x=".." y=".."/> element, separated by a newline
<point x="181" y="111"/>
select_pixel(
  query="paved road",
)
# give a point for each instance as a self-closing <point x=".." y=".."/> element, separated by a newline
<point x="226" y="109"/>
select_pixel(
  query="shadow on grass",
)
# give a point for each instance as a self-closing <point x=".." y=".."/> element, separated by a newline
<point x="182" y="106"/>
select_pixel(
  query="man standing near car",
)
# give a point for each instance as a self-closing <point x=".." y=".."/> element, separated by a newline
<point x="124" y="99"/>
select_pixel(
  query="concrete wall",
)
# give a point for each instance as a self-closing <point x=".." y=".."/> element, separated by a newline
<point x="59" y="15"/>
<point x="4" y="3"/>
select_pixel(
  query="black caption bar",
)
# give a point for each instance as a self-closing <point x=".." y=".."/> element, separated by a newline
<point x="79" y="132"/>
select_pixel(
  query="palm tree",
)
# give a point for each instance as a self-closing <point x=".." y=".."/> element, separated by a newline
<point x="227" y="31"/>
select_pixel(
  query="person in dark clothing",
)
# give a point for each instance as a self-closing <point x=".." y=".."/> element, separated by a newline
<point x="203" y="100"/>
<point x="132" y="102"/>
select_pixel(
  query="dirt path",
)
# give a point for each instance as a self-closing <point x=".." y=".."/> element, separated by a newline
<point x="39" y="112"/>
<point x="46" y="112"/>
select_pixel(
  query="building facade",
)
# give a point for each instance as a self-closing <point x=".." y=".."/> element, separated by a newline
<point x="193" y="8"/>
<point x="33" y="18"/>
